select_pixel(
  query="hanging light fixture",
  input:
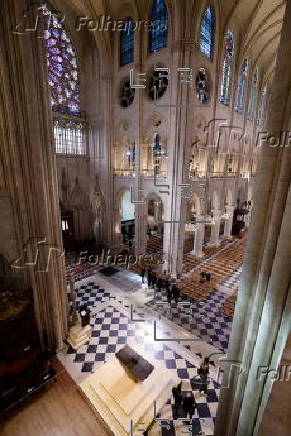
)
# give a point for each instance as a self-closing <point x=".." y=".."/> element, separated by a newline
<point x="131" y="155"/>
<point x="158" y="151"/>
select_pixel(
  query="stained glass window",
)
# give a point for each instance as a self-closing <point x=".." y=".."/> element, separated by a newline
<point x="253" y="96"/>
<point x="207" y="32"/>
<point x="127" y="43"/>
<point x="158" y="34"/>
<point x="63" y="74"/>
<point x="69" y="137"/>
<point x="226" y="82"/>
<point x="241" y="89"/>
<point x="262" y="106"/>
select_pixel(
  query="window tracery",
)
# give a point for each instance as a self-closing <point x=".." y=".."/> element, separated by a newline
<point x="207" y="32"/>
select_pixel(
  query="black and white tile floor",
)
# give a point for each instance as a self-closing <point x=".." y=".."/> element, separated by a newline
<point x="202" y="319"/>
<point x="232" y="281"/>
<point x="112" y="328"/>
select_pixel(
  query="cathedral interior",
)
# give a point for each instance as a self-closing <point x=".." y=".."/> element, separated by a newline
<point x="145" y="244"/>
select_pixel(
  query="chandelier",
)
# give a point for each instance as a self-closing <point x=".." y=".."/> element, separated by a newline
<point x="131" y="155"/>
<point x="157" y="148"/>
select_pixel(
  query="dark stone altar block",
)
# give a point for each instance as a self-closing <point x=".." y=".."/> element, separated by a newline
<point x="137" y="367"/>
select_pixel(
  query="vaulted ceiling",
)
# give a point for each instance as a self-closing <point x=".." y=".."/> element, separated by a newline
<point x="257" y="23"/>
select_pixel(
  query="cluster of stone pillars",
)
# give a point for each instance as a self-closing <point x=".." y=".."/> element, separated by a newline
<point x="30" y="170"/>
<point x="262" y="320"/>
<point x="199" y="233"/>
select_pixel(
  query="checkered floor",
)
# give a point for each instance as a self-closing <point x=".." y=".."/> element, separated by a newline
<point x="232" y="281"/>
<point x="112" y="328"/>
<point x="91" y="294"/>
<point x="203" y="319"/>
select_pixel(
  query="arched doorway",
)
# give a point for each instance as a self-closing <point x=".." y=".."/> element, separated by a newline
<point x="126" y="219"/>
<point x="154" y="225"/>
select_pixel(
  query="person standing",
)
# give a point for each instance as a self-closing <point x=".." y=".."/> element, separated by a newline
<point x="178" y="400"/>
<point x="203" y="371"/>
<point x="169" y="295"/>
<point x="149" y="277"/>
<point x="154" y="279"/>
<point x="189" y="405"/>
<point x="143" y="272"/>
<point x="159" y="283"/>
<point x="175" y="293"/>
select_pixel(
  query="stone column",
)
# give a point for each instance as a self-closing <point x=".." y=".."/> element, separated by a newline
<point x="179" y="138"/>
<point x="263" y="312"/>
<point x="229" y="222"/>
<point x="214" y="236"/>
<point x="106" y="163"/>
<point x="247" y="218"/>
<point x="199" y="239"/>
<point x="29" y="164"/>
<point x="141" y="206"/>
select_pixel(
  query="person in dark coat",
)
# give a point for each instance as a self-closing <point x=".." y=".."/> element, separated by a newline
<point x="203" y="372"/>
<point x="208" y="276"/>
<point x="159" y="284"/>
<point x="169" y="295"/>
<point x="143" y="273"/>
<point x="202" y="277"/>
<point x="177" y="394"/>
<point x="150" y="277"/>
<point x="189" y="405"/>
<point x="176" y="294"/>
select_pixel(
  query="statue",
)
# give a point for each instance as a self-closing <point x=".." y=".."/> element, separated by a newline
<point x="96" y="203"/>
<point x="74" y="314"/>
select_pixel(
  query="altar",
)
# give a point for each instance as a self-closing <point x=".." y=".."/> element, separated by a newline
<point x="125" y="406"/>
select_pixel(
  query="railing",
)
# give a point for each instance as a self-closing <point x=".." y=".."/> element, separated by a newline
<point x="124" y="173"/>
<point x="216" y="174"/>
<point x="192" y="176"/>
<point x="150" y="174"/>
<point x="144" y="173"/>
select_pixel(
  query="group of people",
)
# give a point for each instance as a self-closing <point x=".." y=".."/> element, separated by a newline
<point x="170" y="286"/>
<point x="205" y="277"/>
<point x="186" y="405"/>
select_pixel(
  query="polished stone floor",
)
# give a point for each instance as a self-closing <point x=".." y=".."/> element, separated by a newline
<point x="123" y="311"/>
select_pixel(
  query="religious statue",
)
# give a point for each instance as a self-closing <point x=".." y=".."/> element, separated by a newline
<point x="96" y="203"/>
<point x="74" y="314"/>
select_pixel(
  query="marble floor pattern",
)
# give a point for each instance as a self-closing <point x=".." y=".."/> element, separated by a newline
<point x="116" y="320"/>
<point x="230" y="283"/>
<point x="203" y="319"/>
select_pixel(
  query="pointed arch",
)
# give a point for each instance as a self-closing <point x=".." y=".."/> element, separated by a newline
<point x="126" y="50"/>
<point x="207" y="32"/>
<point x="253" y="95"/>
<point x="227" y="69"/>
<point x="158" y="34"/>
<point x="242" y="87"/>
<point x="262" y="106"/>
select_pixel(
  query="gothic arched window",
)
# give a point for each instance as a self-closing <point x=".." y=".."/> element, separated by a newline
<point x="262" y="106"/>
<point x="158" y="34"/>
<point x="253" y="96"/>
<point x="226" y="82"/>
<point x="207" y="32"/>
<point x="127" y="43"/>
<point x="63" y="73"/>
<point x="241" y="88"/>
